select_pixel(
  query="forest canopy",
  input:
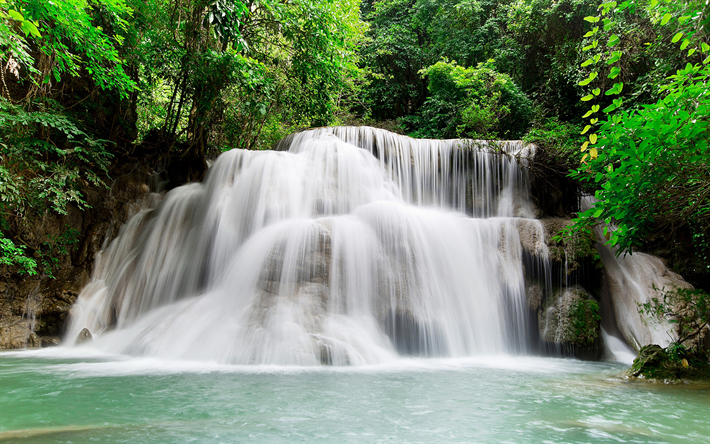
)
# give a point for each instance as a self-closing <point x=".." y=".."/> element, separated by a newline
<point x="88" y="84"/>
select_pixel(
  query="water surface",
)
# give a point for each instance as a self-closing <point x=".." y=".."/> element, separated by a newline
<point x="51" y="397"/>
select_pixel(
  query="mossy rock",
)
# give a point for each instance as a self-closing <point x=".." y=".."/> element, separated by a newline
<point x="653" y="362"/>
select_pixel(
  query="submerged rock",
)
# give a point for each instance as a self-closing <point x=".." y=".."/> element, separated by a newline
<point x="84" y="336"/>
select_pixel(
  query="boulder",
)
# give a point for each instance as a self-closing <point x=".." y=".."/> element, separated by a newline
<point x="84" y="336"/>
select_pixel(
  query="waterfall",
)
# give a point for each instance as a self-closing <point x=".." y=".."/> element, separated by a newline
<point x="343" y="246"/>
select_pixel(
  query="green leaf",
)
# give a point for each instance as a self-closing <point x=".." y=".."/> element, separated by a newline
<point x="589" y="79"/>
<point x="29" y="28"/>
<point x="666" y="18"/>
<point x="685" y="44"/>
<point x="614" y="72"/>
<point x="616" y="89"/>
<point x="677" y="37"/>
<point x="593" y="153"/>
<point x="596" y="92"/>
<point x="586" y="128"/>
<point x="615" y="56"/>
<point x="15" y="15"/>
<point x="587" y="63"/>
<point x="705" y="47"/>
<point x="591" y="19"/>
<point x="592" y="140"/>
<point x="587" y="98"/>
<point x="613" y="41"/>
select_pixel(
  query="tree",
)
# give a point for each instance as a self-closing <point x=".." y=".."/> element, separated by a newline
<point x="471" y="102"/>
<point x="650" y="162"/>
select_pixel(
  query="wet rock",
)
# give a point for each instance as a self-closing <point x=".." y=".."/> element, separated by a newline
<point x="50" y="341"/>
<point x="656" y="363"/>
<point x="650" y="362"/>
<point x="84" y="336"/>
<point x="570" y="322"/>
<point x="33" y="341"/>
<point x="14" y="332"/>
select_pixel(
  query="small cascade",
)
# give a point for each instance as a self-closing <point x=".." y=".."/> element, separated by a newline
<point x="629" y="281"/>
<point x="344" y="246"/>
<point x="636" y="279"/>
<point x="616" y="349"/>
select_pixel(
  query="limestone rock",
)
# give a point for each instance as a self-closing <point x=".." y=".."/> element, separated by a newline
<point x="571" y="321"/>
<point x="33" y="341"/>
<point x="14" y="333"/>
<point x="84" y="336"/>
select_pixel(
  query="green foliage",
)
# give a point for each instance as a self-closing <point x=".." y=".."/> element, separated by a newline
<point x="584" y="326"/>
<point x="61" y="38"/>
<point x="688" y="310"/>
<point x="49" y="253"/>
<point x="533" y="41"/>
<point x="205" y="85"/>
<point x="478" y="103"/>
<point x="649" y="164"/>
<point x="14" y="255"/>
<point x="44" y="161"/>
<point x="559" y="140"/>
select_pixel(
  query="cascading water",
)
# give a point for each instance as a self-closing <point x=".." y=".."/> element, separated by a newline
<point x="344" y="246"/>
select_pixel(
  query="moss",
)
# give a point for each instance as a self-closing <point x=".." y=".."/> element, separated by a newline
<point x="575" y="249"/>
<point x="583" y="328"/>
<point x="653" y="362"/>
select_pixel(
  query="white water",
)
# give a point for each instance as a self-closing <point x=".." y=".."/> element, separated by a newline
<point x="324" y="252"/>
<point x="616" y="350"/>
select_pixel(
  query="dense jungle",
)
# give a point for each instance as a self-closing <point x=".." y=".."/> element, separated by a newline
<point x="354" y="221"/>
<point x="103" y="101"/>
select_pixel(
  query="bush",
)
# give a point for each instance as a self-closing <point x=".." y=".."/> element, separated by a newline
<point x="478" y="103"/>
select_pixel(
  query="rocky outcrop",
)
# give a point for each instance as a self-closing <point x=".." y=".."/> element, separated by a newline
<point x="33" y="309"/>
<point x="653" y="362"/>
<point x="563" y="277"/>
<point x="570" y="322"/>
